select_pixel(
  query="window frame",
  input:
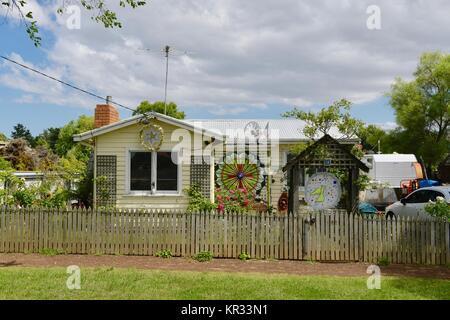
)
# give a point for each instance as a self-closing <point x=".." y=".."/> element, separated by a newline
<point x="154" y="192"/>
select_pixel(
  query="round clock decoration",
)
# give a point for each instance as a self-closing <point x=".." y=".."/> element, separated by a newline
<point x="152" y="137"/>
<point x="323" y="191"/>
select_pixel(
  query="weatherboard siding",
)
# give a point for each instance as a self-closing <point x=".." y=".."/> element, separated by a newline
<point x="119" y="143"/>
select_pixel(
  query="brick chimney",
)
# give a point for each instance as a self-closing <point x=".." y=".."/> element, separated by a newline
<point x="105" y="114"/>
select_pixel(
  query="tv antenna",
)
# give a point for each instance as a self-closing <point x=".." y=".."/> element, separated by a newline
<point x="167" y="51"/>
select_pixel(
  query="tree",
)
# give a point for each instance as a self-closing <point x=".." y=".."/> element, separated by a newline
<point x="98" y="8"/>
<point x="422" y="108"/>
<point x="24" y="158"/>
<point x="4" y="164"/>
<point x="335" y="116"/>
<point x="3" y="137"/>
<point x="20" y="131"/>
<point x="370" y="135"/>
<point x="48" y="138"/>
<point x="75" y="158"/>
<point x="19" y="154"/>
<point x="158" y="106"/>
<point x="66" y="133"/>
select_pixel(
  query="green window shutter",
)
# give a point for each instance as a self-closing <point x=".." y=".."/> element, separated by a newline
<point x="106" y="181"/>
<point x="200" y="174"/>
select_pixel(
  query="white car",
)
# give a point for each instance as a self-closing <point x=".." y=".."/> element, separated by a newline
<point x="413" y="205"/>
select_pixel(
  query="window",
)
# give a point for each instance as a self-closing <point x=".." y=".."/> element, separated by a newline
<point x="141" y="171"/>
<point x="420" y="196"/>
<point x="153" y="172"/>
<point x="166" y="172"/>
<point x="432" y="195"/>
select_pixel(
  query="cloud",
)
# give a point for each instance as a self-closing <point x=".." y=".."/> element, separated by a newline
<point x="246" y="54"/>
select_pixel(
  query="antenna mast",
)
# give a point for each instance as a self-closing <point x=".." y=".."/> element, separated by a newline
<point x="166" y="50"/>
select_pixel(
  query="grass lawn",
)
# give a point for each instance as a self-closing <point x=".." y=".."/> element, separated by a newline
<point x="104" y="283"/>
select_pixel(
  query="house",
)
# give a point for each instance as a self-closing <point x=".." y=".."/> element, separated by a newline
<point x="147" y="161"/>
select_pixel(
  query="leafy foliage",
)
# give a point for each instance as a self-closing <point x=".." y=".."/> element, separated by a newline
<point x="98" y="8"/>
<point x="336" y="115"/>
<point x="65" y="138"/>
<point x="158" y="106"/>
<point x="48" y="138"/>
<point x="49" y="193"/>
<point x="164" y="254"/>
<point x="439" y="209"/>
<point x="197" y="201"/>
<point x="244" y="256"/>
<point x="422" y="108"/>
<point x="203" y="256"/>
<point x="239" y="200"/>
<point x="20" y="131"/>
<point x="4" y="164"/>
<point x="22" y="157"/>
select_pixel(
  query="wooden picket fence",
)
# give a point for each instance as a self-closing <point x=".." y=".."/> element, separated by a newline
<point x="322" y="236"/>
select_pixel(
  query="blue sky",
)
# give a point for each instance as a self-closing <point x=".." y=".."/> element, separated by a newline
<point x="255" y="62"/>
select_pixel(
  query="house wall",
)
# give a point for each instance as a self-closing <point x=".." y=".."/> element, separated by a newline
<point x="276" y="179"/>
<point x="119" y="143"/>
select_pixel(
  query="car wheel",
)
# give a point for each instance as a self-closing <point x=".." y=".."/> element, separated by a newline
<point x="390" y="215"/>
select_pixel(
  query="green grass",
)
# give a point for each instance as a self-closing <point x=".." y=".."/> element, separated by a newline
<point x="109" y="283"/>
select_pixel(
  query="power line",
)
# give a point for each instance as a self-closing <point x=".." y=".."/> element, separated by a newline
<point x="65" y="83"/>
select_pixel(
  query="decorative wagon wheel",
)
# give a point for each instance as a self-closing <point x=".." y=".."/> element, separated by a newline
<point x="240" y="172"/>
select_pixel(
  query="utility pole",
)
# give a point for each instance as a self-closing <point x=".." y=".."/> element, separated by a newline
<point x="166" y="50"/>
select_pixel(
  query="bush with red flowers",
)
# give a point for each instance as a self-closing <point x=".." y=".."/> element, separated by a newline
<point x="239" y="200"/>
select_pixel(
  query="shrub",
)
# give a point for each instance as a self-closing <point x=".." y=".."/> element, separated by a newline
<point x="439" y="209"/>
<point x="197" y="201"/>
<point x="24" y="197"/>
<point x="164" y="254"/>
<point x="203" y="256"/>
<point x="383" y="261"/>
<point x="239" y="200"/>
<point x="244" y="256"/>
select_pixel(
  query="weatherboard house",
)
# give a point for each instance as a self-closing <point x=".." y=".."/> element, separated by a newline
<point x="149" y="160"/>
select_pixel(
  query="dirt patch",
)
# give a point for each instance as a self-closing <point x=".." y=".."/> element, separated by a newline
<point x="222" y="265"/>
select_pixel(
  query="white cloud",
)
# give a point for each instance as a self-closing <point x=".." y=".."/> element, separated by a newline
<point x="246" y="54"/>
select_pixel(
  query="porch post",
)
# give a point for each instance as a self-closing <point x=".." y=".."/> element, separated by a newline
<point x="294" y="183"/>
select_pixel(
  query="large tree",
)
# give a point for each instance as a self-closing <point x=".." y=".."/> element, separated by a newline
<point x="20" y="131"/>
<point x="158" y="106"/>
<point x="65" y="138"/>
<point x="98" y="8"/>
<point x="48" y="138"/>
<point x="422" y="108"/>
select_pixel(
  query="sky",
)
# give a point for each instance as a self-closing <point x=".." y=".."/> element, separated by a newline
<point x="230" y="58"/>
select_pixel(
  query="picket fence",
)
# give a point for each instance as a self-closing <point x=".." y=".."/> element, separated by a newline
<point x="321" y="236"/>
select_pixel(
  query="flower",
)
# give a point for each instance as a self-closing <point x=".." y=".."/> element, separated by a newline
<point x="440" y="199"/>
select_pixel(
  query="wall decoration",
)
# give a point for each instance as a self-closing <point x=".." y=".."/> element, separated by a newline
<point x="151" y="137"/>
<point x="323" y="191"/>
<point x="240" y="171"/>
<point x="283" y="203"/>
